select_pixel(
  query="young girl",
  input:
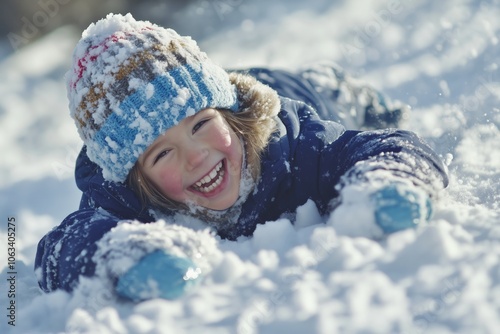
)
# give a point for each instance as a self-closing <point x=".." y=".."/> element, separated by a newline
<point x="169" y="134"/>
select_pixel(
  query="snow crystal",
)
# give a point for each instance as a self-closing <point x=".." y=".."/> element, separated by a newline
<point x="112" y="24"/>
<point x="166" y="105"/>
<point x="287" y="165"/>
<point x="190" y="111"/>
<point x="140" y="123"/>
<point x="135" y="83"/>
<point x="150" y="90"/>
<point x="139" y="140"/>
<point x="111" y="143"/>
<point x="183" y="95"/>
<point x="129" y="165"/>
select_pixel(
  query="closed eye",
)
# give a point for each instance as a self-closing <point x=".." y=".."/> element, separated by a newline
<point x="160" y="155"/>
<point x="199" y="125"/>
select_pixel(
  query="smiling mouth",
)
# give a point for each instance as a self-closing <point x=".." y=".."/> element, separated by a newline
<point x="212" y="180"/>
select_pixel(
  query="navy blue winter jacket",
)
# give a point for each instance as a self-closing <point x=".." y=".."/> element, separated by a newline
<point x="305" y="159"/>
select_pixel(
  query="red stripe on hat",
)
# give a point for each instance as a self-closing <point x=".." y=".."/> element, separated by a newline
<point x="81" y="63"/>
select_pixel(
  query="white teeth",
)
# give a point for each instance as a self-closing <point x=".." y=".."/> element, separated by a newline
<point x="219" y="180"/>
<point x="208" y="178"/>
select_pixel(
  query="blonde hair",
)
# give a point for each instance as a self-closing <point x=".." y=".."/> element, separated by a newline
<point x="248" y="124"/>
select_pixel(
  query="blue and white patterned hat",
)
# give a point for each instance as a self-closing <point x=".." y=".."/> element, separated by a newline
<point x="131" y="81"/>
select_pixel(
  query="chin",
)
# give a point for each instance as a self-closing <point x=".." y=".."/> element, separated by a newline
<point x="221" y="206"/>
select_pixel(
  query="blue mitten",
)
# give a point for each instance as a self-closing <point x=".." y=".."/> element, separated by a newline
<point x="158" y="275"/>
<point x="400" y="206"/>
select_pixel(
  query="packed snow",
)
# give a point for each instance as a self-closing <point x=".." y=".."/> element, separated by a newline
<point x="317" y="275"/>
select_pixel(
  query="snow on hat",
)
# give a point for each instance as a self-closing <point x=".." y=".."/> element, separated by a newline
<point x="131" y="81"/>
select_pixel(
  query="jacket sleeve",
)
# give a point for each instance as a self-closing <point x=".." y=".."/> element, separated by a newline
<point x="324" y="157"/>
<point x="374" y="155"/>
<point x="65" y="253"/>
<point x="93" y="243"/>
<point x="379" y="157"/>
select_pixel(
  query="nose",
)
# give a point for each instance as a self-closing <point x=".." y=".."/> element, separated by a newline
<point x="195" y="155"/>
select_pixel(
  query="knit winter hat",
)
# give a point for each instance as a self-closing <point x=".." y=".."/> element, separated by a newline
<point x="131" y="81"/>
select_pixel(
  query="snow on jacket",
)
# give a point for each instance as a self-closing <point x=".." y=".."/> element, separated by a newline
<point x="307" y="158"/>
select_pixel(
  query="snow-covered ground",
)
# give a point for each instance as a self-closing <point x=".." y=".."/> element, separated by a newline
<point x="442" y="57"/>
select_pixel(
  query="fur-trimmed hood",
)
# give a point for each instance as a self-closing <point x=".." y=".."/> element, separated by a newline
<point x="254" y="96"/>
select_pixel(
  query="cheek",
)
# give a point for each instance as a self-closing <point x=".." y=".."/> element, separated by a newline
<point x="231" y="146"/>
<point x="169" y="181"/>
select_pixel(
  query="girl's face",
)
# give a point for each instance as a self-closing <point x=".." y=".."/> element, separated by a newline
<point x="198" y="160"/>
